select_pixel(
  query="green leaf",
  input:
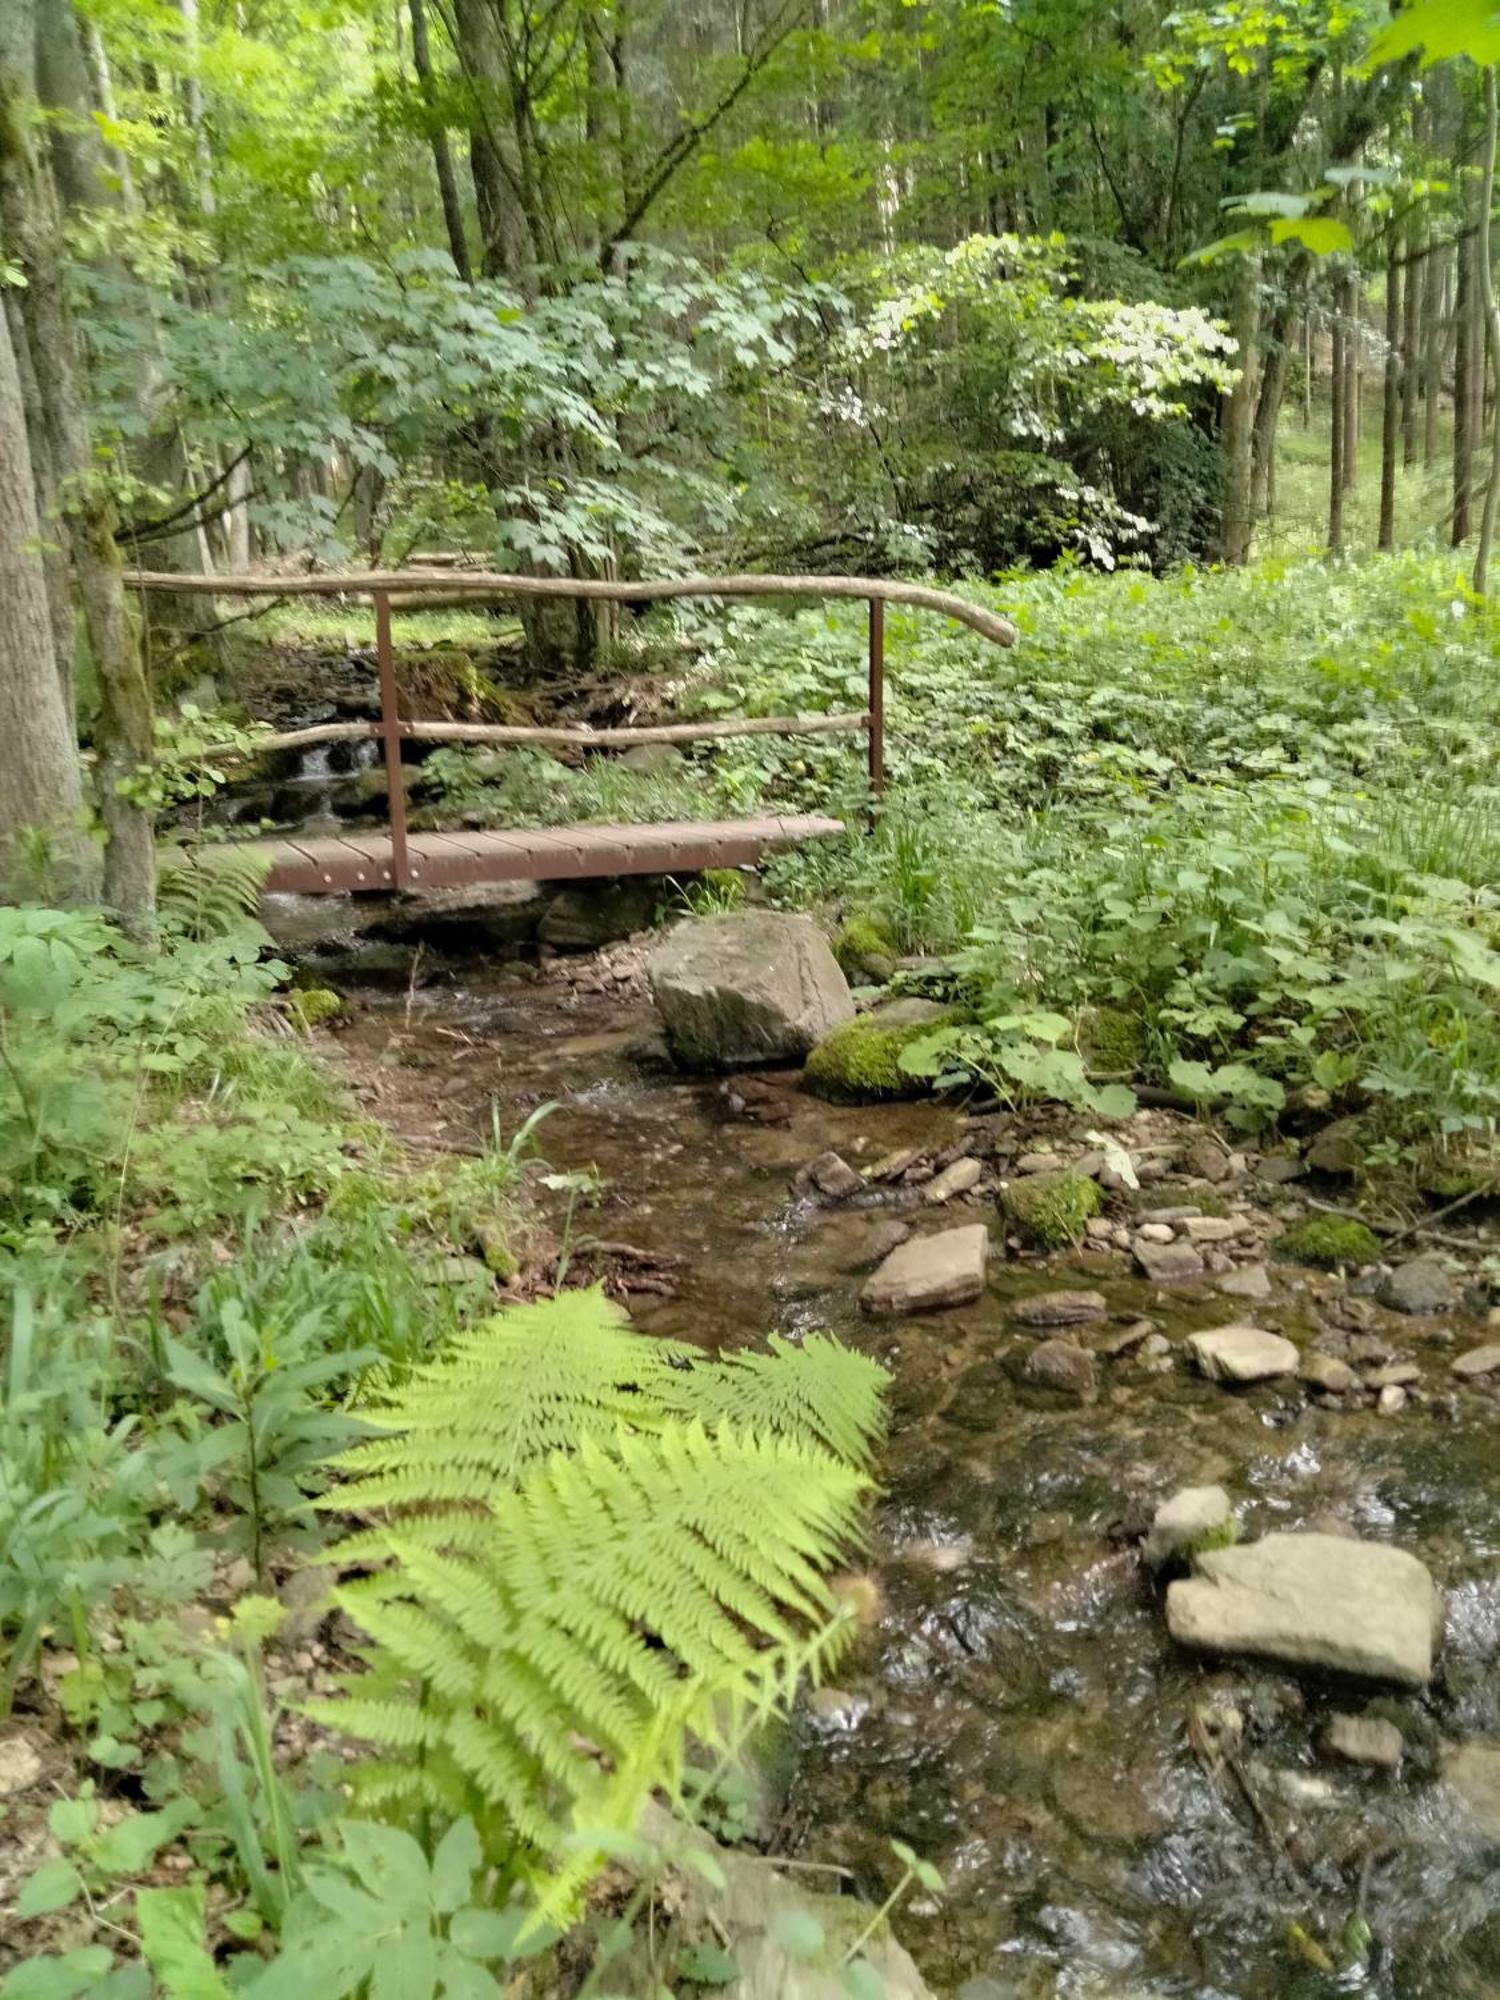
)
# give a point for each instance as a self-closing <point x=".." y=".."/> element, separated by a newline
<point x="56" y="1885"/>
<point x="389" y="1862"/>
<point x="1441" y="29"/>
<point x="486" y="1934"/>
<point x="406" y="1967"/>
<point x="862" y="1982"/>
<point x="1323" y="235"/>
<point x="171" y="1927"/>
<point x="64" y="1977"/>
<point x="455" y="1863"/>
<point x="800" y="1933"/>
<point x="708" y="1965"/>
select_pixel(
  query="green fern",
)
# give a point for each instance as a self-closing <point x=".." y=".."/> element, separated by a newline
<point x="599" y="1546"/>
<point x="541" y="1378"/>
<point x="210" y="892"/>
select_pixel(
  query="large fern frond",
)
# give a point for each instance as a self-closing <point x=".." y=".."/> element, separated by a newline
<point x="816" y="1389"/>
<point x="626" y="1594"/>
<point x="210" y="891"/>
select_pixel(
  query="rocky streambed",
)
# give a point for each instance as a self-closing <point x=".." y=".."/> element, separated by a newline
<point x="1117" y="1812"/>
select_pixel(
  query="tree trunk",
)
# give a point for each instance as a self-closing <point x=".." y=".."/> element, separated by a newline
<point x="442" y="153"/>
<point x="41" y="783"/>
<point x="1463" y="397"/>
<point x="1390" y="410"/>
<point x="1434" y="285"/>
<point x="123" y="734"/>
<point x="1352" y="344"/>
<point x="1485" y="254"/>
<point x="1239" y="418"/>
<point x="1275" y="361"/>
<point x="1414" y="282"/>
<point x="1338" y="409"/>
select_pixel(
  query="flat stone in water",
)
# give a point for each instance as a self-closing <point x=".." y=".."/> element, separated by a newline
<point x="1479" y="1360"/>
<point x="1364" y="1739"/>
<point x="1184" y="1519"/>
<point x="832" y="1176"/>
<point x="1168" y="1263"/>
<point x="1059" y="1364"/>
<point x="1242" y="1354"/>
<point x="1060" y="1309"/>
<point x="954" y="1180"/>
<point x="1473" y="1770"/>
<point x="1253" y="1282"/>
<point x="1313" y="1601"/>
<point x="1326" y="1371"/>
<point x="1421" y="1285"/>
<point x="930" y="1271"/>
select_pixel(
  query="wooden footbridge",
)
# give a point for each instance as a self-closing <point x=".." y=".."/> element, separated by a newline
<point x="399" y="860"/>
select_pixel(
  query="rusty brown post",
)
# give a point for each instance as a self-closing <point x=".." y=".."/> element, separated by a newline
<point x="877" y="696"/>
<point x="390" y="735"/>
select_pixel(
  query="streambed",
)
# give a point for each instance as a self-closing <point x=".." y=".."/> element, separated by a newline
<point x="1019" y="1714"/>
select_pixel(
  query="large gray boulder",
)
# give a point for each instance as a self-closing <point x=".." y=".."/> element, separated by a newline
<point x="752" y="987"/>
<point x="1313" y="1601"/>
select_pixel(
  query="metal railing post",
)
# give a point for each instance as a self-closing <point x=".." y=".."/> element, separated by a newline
<point x="390" y="736"/>
<point x="877" y="696"/>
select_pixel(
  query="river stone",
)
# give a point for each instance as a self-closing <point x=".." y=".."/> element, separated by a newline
<point x="1168" y="1263"/>
<point x="1326" y="1371"/>
<point x="1185" y="1519"/>
<point x="1364" y="1739"/>
<point x="930" y="1271"/>
<point x="1060" y="1364"/>
<point x="1473" y="1770"/>
<point x="1060" y="1308"/>
<point x="1479" y="1360"/>
<point x="1242" y="1354"/>
<point x="1313" y="1601"/>
<point x="832" y="1176"/>
<point x="1421" y="1285"/>
<point x="954" y="1180"/>
<point x="1253" y="1282"/>
<point x="585" y="919"/>
<point x="20" y="1766"/>
<point x="755" y="986"/>
<point x="1155" y="1232"/>
<point x="1215" y="1228"/>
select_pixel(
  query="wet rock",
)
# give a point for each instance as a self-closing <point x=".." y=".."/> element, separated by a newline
<point x="831" y="1176"/>
<point x="1327" y="1372"/>
<point x="1478" y="1361"/>
<point x="1395" y="1375"/>
<point x="1242" y="1354"/>
<point x="585" y="919"/>
<point x="954" y="1180"/>
<point x="1155" y="1232"/>
<point x="1215" y="1228"/>
<point x="1099" y="1229"/>
<point x="1364" y="1739"/>
<point x="755" y="986"/>
<point x="1059" y="1364"/>
<point x="1279" y="1168"/>
<point x="1040" y="1163"/>
<point x="1422" y="1285"/>
<point x="1186" y="1520"/>
<point x="1128" y="1338"/>
<point x="1060" y="1309"/>
<point x="874" y="1243"/>
<point x="1370" y="1350"/>
<point x="1336" y="1149"/>
<point x="1316" y="1601"/>
<point x="1392" y="1400"/>
<point x="930" y="1271"/>
<point x="891" y="1166"/>
<point x="910" y="1012"/>
<point x="20" y="1766"/>
<point x="1206" y="1159"/>
<point x="1253" y="1281"/>
<point x="1473" y="1770"/>
<point x="1168" y="1263"/>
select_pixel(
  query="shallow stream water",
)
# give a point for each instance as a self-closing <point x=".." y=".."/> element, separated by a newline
<point x="1019" y="1714"/>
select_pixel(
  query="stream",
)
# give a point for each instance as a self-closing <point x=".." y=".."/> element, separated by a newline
<point x="1018" y="1714"/>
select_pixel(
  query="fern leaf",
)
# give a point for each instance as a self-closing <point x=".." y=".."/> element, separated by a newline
<point x="818" y="1390"/>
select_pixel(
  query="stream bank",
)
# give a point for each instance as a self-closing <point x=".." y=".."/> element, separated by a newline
<point x="1020" y="1714"/>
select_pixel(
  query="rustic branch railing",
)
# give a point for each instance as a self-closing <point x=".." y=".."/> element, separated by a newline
<point x="381" y="585"/>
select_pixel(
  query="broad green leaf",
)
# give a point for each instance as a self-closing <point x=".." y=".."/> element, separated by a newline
<point x="406" y="1967"/>
<point x="56" y="1885"/>
<point x="388" y="1862"/>
<point x="1322" y="234"/>
<point x="455" y="1862"/>
<point x="171" y="1927"/>
<point x="67" y="1976"/>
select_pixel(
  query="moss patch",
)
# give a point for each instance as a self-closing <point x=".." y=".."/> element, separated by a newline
<point x="860" y="1063"/>
<point x="1111" y="1042"/>
<point x="1048" y="1211"/>
<point x="1224" y="1536"/>
<point x="312" y="1004"/>
<point x="864" y="944"/>
<point x="1328" y="1241"/>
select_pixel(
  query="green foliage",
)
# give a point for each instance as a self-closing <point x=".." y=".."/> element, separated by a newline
<point x="1018" y="1056"/>
<point x="1048" y="1211"/>
<point x="1335" y="1242"/>
<point x="577" y="1560"/>
<point x="861" y="1062"/>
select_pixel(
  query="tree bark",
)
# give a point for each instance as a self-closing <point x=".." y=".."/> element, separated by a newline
<point x="442" y="152"/>
<point x="1463" y="397"/>
<point x="1237" y="524"/>
<point x="1352" y="340"/>
<point x="1390" y="410"/>
<point x="123" y="733"/>
<point x="41" y="783"/>
<point x="1434" y="285"/>
<point x="1484" y="250"/>
<point x="1338" y="409"/>
<point x="1415" y="283"/>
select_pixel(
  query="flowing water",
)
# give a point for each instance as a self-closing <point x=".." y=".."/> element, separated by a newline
<point x="1019" y="1714"/>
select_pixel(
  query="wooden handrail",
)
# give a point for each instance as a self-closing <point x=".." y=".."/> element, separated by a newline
<point x="579" y="736"/>
<point x="486" y="583"/>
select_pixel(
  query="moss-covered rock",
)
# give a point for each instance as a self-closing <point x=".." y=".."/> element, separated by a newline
<point x="1447" y="1174"/>
<point x="1048" y="1211"/>
<point x="865" y="947"/>
<point x="1329" y="1241"/>
<point x="860" y="1063"/>
<point x="1111" y="1042"/>
<point x="312" y="1004"/>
